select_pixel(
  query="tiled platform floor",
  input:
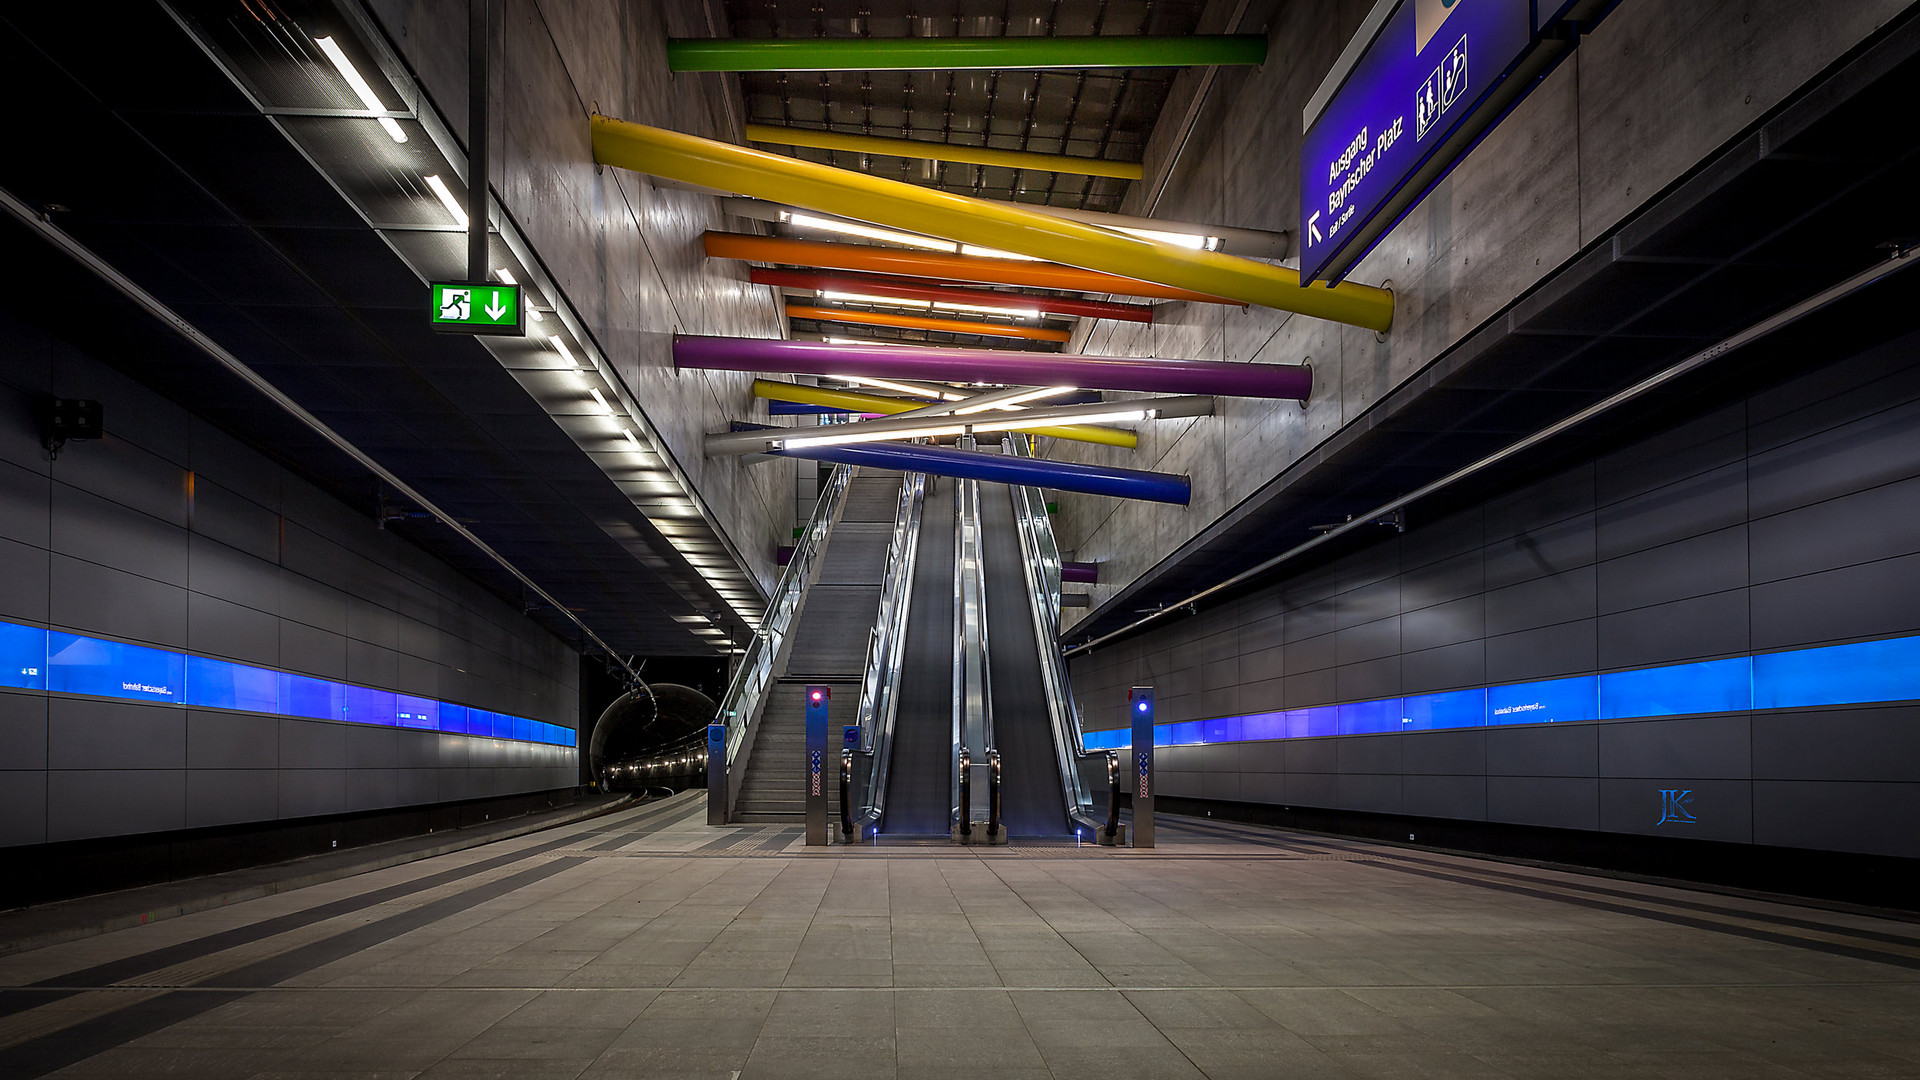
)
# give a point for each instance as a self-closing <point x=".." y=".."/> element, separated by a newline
<point x="648" y="945"/>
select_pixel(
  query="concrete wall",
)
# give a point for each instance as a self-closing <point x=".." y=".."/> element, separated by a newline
<point x="1779" y="522"/>
<point x="170" y="533"/>
<point x="1652" y="92"/>
<point x="625" y="253"/>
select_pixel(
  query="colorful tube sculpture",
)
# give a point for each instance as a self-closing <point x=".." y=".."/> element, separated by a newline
<point x="935" y="151"/>
<point x="1005" y="469"/>
<point x="851" y="401"/>
<point x="921" y="322"/>
<point x="921" y="289"/>
<point x="963" y="53"/>
<point x="988" y="365"/>
<point x="1008" y="227"/>
<point x="935" y="264"/>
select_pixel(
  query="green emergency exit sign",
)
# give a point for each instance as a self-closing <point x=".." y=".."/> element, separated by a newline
<point x="484" y="308"/>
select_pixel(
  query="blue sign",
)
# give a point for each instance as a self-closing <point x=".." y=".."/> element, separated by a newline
<point x="1430" y="67"/>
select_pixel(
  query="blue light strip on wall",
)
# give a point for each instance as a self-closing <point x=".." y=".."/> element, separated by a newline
<point x="32" y="658"/>
<point x="1870" y="671"/>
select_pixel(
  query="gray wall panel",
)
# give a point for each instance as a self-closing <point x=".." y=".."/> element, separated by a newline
<point x="1463" y="797"/>
<point x="231" y="796"/>
<point x="89" y="734"/>
<point x="82" y="804"/>
<point x="1462" y="753"/>
<point x="1837" y="744"/>
<point x="24" y="505"/>
<point x="1863" y="526"/>
<point x="1447" y="623"/>
<point x="1549" y="750"/>
<point x="1838" y="815"/>
<point x="1445" y="668"/>
<point x="1552" y="801"/>
<point x="86" y="526"/>
<point x="1681" y="807"/>
<point x="1853" y="601"/>
<point x="23" y="807"/>
<point x="1719" y="747"/>
<point x="1369" y="794"/>
<point x="24" y="588"/>
<point x="1549" y="650"/>
<point x="227" y="741"/>
<point x="99" y="599"/>
<point x="216" y="627"/>
<point x="23" y="731"/>
<point x="1714" y="625"/>
<point x="1711" y="562"/>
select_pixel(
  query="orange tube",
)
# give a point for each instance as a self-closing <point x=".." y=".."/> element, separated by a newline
<point x="933" y="264"/>
<point x="921" y="322"/>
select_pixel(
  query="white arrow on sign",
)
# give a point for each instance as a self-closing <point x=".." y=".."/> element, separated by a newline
<point x="495" y="308"/>
<point x="1313" y="230"/>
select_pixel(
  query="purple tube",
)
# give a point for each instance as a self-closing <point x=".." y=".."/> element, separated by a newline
<point x="1080" y="573"/>
<point x="1032" y="472"/>
<point x="1002" y="366"/>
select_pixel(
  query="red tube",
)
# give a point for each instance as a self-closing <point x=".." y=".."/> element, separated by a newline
<point x="907" y="288"/>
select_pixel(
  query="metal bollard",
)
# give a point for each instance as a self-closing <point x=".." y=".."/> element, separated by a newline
<point x="993" y="794"/>
<point x="966" y="794"/>
<point x="846" y="806"/>
<point x="1113" y="793"/>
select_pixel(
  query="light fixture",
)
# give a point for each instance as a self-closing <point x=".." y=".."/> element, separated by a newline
<point x="984" y="423"/>
<point x="996" y="253"/>
<point x="862" y="298"/>
<point x="447" y="200"/>
<point x="560" y="347"/>
<point x="508" y="278"/>
<point x="983" y="309"/>
<point x="599" y="400"/>
<point x="359" y="85"/>
<point x="849" y="228"/>
<point x="1186" y="240"/>
<point x="1017" y="400"/>
<point x="900" y="388"/>
<point x="627" y="433"/>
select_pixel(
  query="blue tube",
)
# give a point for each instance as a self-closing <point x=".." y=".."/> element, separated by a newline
<point x="1031" y="472"/>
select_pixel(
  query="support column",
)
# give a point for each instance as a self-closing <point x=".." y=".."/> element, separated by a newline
<point x="1140" y="706"/>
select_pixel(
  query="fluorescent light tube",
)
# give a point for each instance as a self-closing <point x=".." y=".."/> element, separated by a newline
<point x="507" y="277"/>
<point x="599" y="400"/>
<point x="1016" y="313"/>
<point x="925" y="432"/>
<point x="996" y="253"/>
<point x="862" y="298"/>
<point x="447" y="200"/>
<point x="900" y="388"/>
<point x="848" y="228"/>
<point x="1017" y="400"/>
<point x="359" y="85"/>
<point x="560" y="347"/>
<point x="631" y="441"/>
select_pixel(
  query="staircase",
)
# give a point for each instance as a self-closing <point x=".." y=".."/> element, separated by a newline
<point x="773" y="790"/>
<point x="829" y="649"/>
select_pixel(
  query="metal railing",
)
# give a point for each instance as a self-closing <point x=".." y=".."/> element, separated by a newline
<point x="886" y="652"/>
<point x="771" y="642"/>
<point x="972" y="686"/>
<point x="1041" y="563"/>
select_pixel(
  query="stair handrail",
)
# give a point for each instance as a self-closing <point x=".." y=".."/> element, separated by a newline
<point x="766" y="652"/>
<point x="1041" y="566"/>
<point x="886" y="651"/>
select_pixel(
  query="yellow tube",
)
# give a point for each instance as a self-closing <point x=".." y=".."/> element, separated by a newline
<point x="693" y="160"/>
<point x="856" y="402"/>
<point x="933" y="151"/>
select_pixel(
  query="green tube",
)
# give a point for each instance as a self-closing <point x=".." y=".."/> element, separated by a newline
<point x="959" y="53"/>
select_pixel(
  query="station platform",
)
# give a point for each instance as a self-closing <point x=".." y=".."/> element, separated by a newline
<point x="645" y="943"/>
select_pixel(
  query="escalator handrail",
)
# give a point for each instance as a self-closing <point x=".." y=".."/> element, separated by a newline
<point x="1040" y="563"/>
<point x="886" y="651"/>
<point x="973" y="685"/>
<point x="771" y="638"/>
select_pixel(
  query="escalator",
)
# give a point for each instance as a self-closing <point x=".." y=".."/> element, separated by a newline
<point x="1032" y="799"/>
<point x="919" y="790"/>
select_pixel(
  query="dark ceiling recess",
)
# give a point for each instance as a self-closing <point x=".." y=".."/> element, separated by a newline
<point x="169" y="173"/>
<point x="1106" y="114"/>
